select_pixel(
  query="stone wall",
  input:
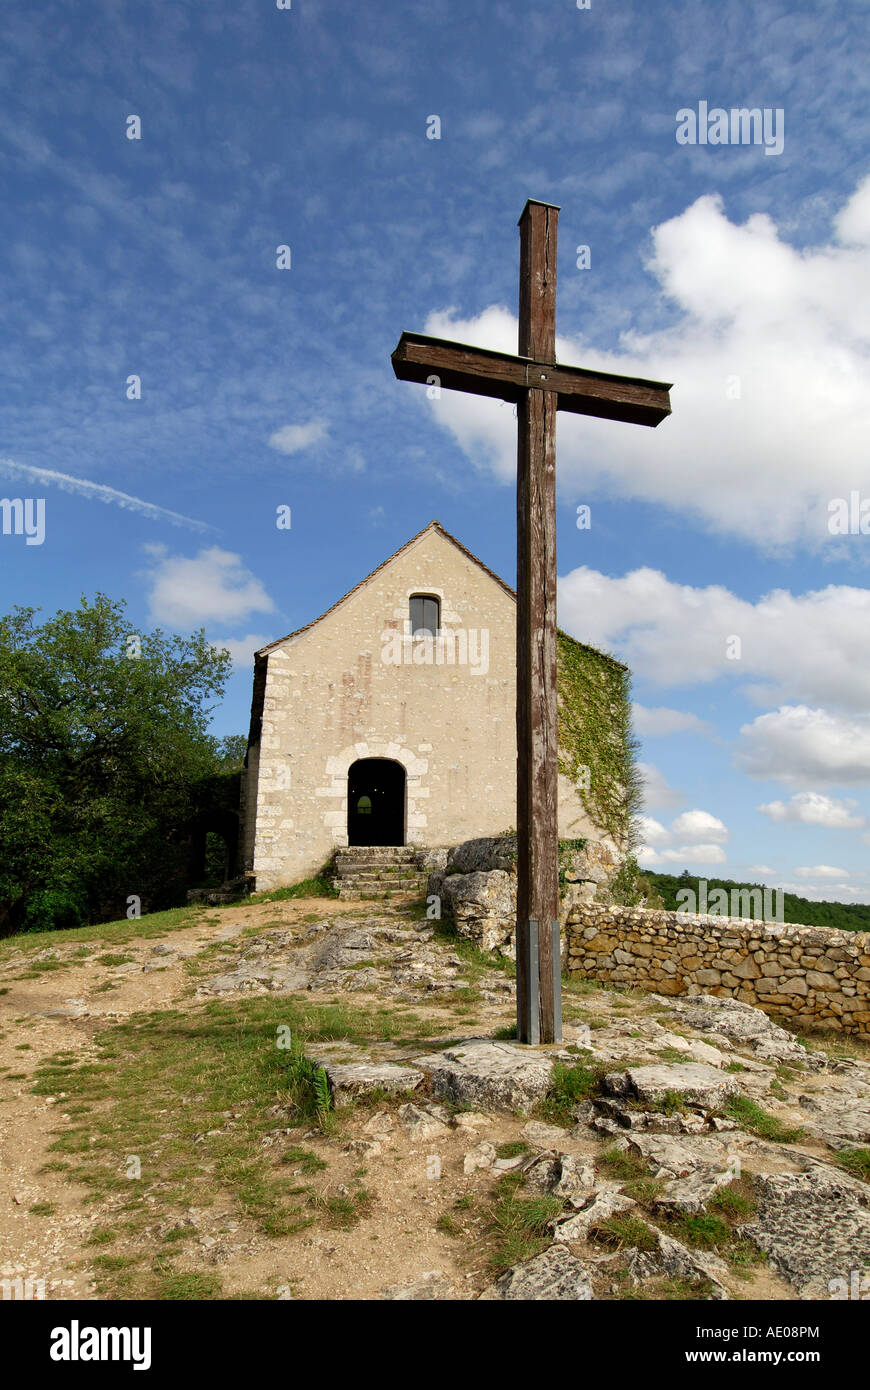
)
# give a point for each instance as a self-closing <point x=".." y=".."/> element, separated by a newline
<point x="810" y="976"/>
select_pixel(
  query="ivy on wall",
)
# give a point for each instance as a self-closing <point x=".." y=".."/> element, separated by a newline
<point x="596" y="748"/>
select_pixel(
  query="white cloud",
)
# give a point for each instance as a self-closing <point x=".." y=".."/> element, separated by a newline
<point x="761" y="870"/>
<point x="290" y="439"/>
<point x="652" y="832"/>
<point x="213" y="587"/>
<point x="684" y="855"/>
<point x="653" y="723"/>
<point x="821" y="871"/>
<point x="792" y="647"/>
<point x="656" y="790"/>
<point x="813" y="808"/>
<point x="700" y="825"/>
<point x="827" y="892"/>
<point x="700" y="835"/>
<point x="787" y="326"/>
<point x="798" y="745"/>
<point x="242" y="649"/>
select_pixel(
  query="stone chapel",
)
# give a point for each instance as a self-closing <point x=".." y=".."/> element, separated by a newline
<point x="390" y="720"/>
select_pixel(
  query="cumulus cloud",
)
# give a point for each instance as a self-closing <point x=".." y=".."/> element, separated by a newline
<point x="802" y="746"/>
<point x="695" y="837"/>
<point x="761" y="870"/>
<point x="242" y="649"/>
<point x="652" y="831"/>
<point x="813" y="808"/>
<point x="770" y="353"/>
<point x="792" y="647"/>
<point x="653" y="723"/>
<point x="821" y="871"/>
<point x="827" y="892"/>
<point x="211" y="587"/>
<point x="700" y="825"/>
<point x="650" y="858"/>
<point x="657" y="792"/>
<point x="291" y="439"/>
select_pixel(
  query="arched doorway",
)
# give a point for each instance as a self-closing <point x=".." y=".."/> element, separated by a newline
<point x="376" y="802"/>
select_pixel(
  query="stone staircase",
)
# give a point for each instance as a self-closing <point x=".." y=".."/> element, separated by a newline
<point x="378" y="872"/>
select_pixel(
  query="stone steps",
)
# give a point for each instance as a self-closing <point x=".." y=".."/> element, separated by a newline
<point x="378" y="872"/>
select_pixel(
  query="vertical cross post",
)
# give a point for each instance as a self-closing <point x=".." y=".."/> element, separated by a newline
<point x="537" y="938"/>
<point x="540" y="387"/>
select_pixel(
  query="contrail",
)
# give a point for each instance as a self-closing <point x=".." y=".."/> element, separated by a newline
<point x="101" y="493"/>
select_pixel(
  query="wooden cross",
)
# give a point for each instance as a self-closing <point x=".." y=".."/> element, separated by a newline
<point x="539" y="387"/>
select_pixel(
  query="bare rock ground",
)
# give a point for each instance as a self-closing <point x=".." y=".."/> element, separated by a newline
<point x="631" y="1171"/>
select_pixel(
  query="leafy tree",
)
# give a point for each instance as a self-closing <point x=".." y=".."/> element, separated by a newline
<point x="103" y="744"/>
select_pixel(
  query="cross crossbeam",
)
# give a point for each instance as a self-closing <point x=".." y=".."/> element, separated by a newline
<point x="483" y="372"/>
<point x="539" y="387"/>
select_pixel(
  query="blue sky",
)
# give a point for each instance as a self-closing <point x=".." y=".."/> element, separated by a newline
<point x="740" y="275"/>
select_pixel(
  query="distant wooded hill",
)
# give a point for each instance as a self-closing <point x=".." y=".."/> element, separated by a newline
<point x="845" y="916"/>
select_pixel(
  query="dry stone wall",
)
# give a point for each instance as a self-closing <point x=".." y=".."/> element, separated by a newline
<point x="811" y="976"/>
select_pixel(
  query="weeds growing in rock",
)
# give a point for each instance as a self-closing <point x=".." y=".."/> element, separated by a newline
<point x="856" y="1162"/>
<point x="751" y="1117"/>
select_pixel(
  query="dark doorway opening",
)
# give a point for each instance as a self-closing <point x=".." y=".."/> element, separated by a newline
<point x="376" y="802"/>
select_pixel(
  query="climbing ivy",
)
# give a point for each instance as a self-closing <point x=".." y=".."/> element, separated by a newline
<point x="567" y="849"/>
<point x="596" y="747"/>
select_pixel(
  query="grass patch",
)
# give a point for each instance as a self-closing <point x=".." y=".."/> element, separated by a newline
<point x="449" y="1225"/>
<point x="317" y="887"/>
<point x="516" y="1226"/>
<point x="102" y="1235"/>
<point x="736" y="1202"/>
<point x="751" y="1117"/>
<point x="856" y="1162"/>
<point x="624" y="1233"/>
<point x="192" y="1094"/>
<point x="569" y="1086"/>
<point x="669" y="1289"/>
<point x="343" y="1213"/>
<point x="304" y="1159"/>
<point x="629" y="1168"/>
<point x="512" y="1149"/>
<point x="714" y="1229"/>
<point x="108" y="933"/>
<point x="478" y="964"/>
<point x="176" y="1288"/>
<point x="668" y="1103"/>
